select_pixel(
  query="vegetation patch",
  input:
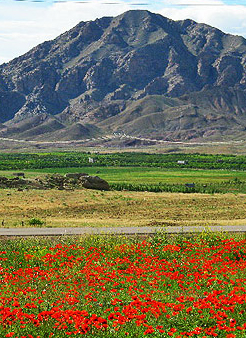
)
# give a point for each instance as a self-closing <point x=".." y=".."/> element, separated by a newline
<point x="97" y="287"/>
<point x="128" y="159"/>
<point x="236" y="186"/>
<point x="185" y="173"/>
<point x="35" y="222"/>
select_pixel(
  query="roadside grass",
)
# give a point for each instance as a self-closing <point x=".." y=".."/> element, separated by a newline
<point x="96" y="286"/>
<point x="85" y="207"/>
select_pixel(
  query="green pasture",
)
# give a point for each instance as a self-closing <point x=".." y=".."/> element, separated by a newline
<point x="142" y="175"/>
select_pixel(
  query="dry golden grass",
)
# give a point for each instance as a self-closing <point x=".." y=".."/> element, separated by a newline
<point x="113" y="208"/>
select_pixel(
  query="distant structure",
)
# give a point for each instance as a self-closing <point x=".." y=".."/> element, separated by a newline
<point x="91" y="160"/>
<point x="181" y="162"/>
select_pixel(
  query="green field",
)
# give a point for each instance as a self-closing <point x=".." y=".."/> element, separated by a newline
<point x="143" y="174"/>
<point x="83" y="159"/>
<point x="156" y="179"/>
<point x="131" y="168"/>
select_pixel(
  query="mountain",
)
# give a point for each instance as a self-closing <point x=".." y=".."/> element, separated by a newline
<point x="138" y="73"/>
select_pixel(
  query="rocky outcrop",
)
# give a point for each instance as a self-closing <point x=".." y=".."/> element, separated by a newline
<point x="97" y="70"/>
<point x="56" y="181"/>
<point x="74" y="180"/>
<point x="15" y="182"/>
<point x="10" y="103"/>
<point x="94" y="182"/>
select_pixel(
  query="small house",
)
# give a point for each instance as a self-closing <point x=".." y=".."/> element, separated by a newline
<point x="181" y="162"/>
<point x="91" y="160"/>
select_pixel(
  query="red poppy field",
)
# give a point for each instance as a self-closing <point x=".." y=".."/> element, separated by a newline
<point x="111" y="287"/>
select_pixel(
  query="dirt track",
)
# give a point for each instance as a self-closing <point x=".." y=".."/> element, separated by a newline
<point x="119" y="136"/>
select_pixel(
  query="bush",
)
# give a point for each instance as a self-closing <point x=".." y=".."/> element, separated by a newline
<point x="35" y="221"/>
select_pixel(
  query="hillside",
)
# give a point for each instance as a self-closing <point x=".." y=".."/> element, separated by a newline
<point x="138" y="73"/>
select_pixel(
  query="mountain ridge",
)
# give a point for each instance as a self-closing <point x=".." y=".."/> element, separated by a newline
<point x="139" y="73"/>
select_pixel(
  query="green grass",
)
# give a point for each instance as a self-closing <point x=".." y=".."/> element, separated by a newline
<point x="138" y="175"/>
<point x="157" y="179"/>
<point x="29" y="161"/>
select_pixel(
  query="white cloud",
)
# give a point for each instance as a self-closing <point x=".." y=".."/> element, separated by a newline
<point x="192" y="2"/>
<point x="20" y="29"/>
<point x="230" y="19"/>
<point x="3" y="59"/>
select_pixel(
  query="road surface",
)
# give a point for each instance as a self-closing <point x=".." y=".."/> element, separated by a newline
<point x="11" y="232"/>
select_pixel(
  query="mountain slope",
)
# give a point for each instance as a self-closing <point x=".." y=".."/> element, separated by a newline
<point x="139" y="72"/>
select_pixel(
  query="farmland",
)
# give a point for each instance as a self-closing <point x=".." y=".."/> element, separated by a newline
<point x="155" y="179"/>
<point x="140" y="171"/>
<point x="216" y="197"/>
<point x="159" y="287"/>
<point x="14" y="161"/>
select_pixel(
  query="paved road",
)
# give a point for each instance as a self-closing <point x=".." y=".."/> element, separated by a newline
<point x="115" y="230"/>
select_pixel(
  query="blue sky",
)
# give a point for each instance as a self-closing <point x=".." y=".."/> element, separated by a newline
<point x="26" y="23"/>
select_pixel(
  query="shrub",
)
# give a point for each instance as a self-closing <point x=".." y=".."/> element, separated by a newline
<point x="35" y="221"/>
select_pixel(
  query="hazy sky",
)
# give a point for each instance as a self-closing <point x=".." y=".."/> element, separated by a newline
<point x="26" y="23"/>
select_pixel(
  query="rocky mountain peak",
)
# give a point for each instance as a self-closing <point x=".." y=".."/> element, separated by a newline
<point x="134" y="72"/>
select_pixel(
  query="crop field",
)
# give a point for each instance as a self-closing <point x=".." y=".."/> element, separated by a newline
<point x="20" y="161"/>
<point x="139" y="171"/>
<point x="142" y="175"/>
<point x="117" y="287"/>
<point x="154" y="179"/>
